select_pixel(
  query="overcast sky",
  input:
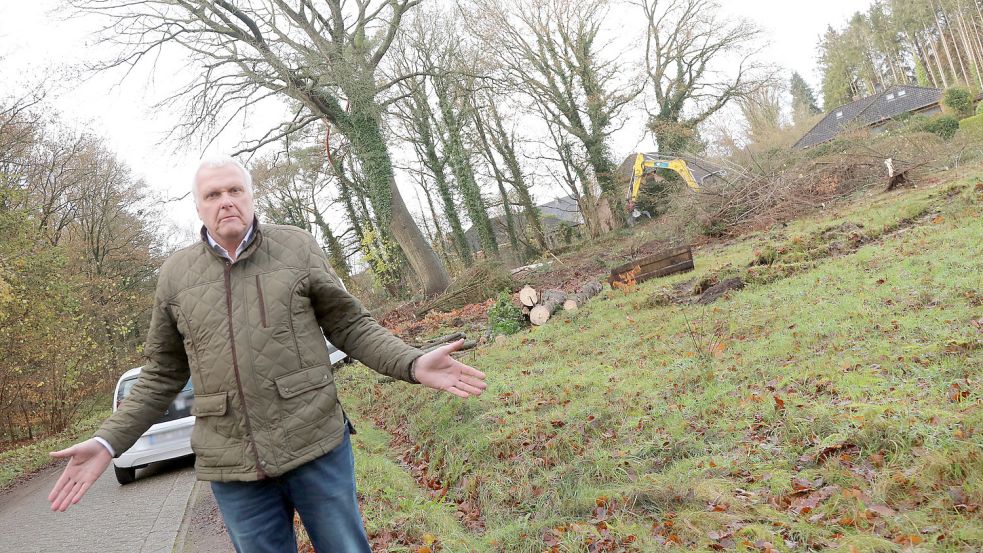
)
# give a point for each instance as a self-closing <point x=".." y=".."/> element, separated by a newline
<point x="37" y="43"/>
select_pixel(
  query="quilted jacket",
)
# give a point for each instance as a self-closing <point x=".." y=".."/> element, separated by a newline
<point x="249" y="334"/>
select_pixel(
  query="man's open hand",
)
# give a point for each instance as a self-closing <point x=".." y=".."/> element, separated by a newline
<point x="86" y="462"/>
<point x="437" y="369"/>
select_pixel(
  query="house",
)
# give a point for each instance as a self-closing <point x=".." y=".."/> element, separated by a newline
<point x="561" y="219"/>
<point x="873" y="112"/>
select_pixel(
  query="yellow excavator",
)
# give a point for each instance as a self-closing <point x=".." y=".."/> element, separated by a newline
<point x="693" y="172"/>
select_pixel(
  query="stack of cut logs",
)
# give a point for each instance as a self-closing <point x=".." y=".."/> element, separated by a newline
<point x="540" y="307"/>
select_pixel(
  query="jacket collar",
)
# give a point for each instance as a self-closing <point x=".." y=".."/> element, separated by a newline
<point x="253" y="237"/>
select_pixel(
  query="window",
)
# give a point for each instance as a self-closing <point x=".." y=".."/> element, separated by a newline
<point x="890" y="97"/>
<point x="839" y="114"/>
<point x="902" y="92"/>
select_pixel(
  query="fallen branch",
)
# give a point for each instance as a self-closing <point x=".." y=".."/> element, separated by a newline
<point x="437" y="342"/>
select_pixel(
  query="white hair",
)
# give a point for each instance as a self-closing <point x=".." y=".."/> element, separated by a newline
<point x="215" y="162"/>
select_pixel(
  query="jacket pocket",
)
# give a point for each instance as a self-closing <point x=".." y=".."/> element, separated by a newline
<point x="294" y="384"/>
<point x="213" y="439"/>
<point x="210" y="405"/>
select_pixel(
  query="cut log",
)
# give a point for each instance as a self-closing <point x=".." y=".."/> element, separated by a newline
<point x="520" y="273"/>
<point x="528" y="296"/>
<point x="656" y="265"/>
<point x="552" y="300"/>
<point x="586" y="292"/>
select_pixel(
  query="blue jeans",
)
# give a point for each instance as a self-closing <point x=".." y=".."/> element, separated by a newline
<point x="259" y="515"/>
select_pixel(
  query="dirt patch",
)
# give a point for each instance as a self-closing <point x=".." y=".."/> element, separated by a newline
<point x="714" y="292"/>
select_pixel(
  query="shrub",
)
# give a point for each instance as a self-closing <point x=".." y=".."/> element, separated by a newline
<point x="944" y="126"/>
<point x="957" y="102"/>
<point x="505" y="317"/>
<point x="979" y="108"/>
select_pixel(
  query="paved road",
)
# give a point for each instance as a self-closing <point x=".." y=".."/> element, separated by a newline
<point x="142" y="517"/>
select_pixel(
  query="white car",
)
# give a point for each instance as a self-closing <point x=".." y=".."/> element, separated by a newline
<point x="170" y="437"/>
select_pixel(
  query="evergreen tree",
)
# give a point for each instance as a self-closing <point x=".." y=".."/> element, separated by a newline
<point x="803" y="98"/>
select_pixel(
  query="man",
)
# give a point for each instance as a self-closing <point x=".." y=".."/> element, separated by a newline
<point x="244" y="313"/>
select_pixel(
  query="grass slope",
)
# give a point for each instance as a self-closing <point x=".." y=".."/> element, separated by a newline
<point x="832" y="404"/>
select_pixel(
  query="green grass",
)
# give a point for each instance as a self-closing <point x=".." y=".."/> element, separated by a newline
<point x="29" y="458"/>
<point x="690" y="426"/>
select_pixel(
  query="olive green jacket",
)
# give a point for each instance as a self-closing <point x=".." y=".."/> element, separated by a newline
<point x="249" y="334"/>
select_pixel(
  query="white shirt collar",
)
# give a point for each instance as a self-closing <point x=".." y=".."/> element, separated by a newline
<point x="224" y="252"/>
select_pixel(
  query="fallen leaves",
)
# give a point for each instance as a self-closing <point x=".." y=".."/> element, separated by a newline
<point x="961" y="502"/>
<point x="908" y="539"/>
<point x="595" y="537"/>
<point x="808" y="503"/>
<point x="882" y="510"/>
<point x="779" y="403"/>
<point x="956" y="393"/>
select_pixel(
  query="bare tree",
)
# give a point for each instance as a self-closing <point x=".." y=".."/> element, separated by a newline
<point x="291" y="187"/>
<point x="504" y="142"/>
<point x="324" y="55"/>
<point x="421" y="122"/>
<point x="550" y="51"/>
<point x="696" y="64"/>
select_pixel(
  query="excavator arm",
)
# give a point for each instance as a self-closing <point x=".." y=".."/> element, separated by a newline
<point x="646" y="163"/>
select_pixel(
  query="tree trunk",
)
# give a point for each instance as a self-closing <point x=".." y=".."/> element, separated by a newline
<point x="421" y="256"/>
<point x="945" y="44"/>
<point x="336" y="252"/>
<point x="377" y="165"/>
<point x="959" y="53"/>
<point x="584" y="293"/>
<point x="428" y="145"/>
<point x="438" y="233"/>
<point x="500" y="179"/>
<point x="464" y="175"/>
<point x="969" y="47"/>
<point x="351" y="212"/>
<point x="552" y="300"/>
<point x="923" y="58"/>
<point x="977" y="59"/>
<point x="503" y="143"/>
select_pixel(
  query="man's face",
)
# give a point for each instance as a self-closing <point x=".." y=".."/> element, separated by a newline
<point x="225" y="204"/>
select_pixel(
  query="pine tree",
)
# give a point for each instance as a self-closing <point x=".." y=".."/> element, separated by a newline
<point x="803" y="98"/>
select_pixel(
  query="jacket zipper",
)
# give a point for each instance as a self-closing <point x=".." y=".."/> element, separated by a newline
<point x="235" y="367"/>
<point x="262" y="303"/>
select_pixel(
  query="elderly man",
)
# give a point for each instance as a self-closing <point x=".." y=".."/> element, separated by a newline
<point x="244" y="313"/>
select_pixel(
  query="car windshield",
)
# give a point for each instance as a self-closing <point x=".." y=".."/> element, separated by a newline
<point x="179" y="408"/>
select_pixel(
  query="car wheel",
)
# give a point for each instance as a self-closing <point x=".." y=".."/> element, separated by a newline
<point x="125" y="475"/>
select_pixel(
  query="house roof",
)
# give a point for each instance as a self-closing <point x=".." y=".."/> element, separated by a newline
<point x="886" y="104"/>
<point x="553" y="213"/>
<point x="564" y="209"/>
